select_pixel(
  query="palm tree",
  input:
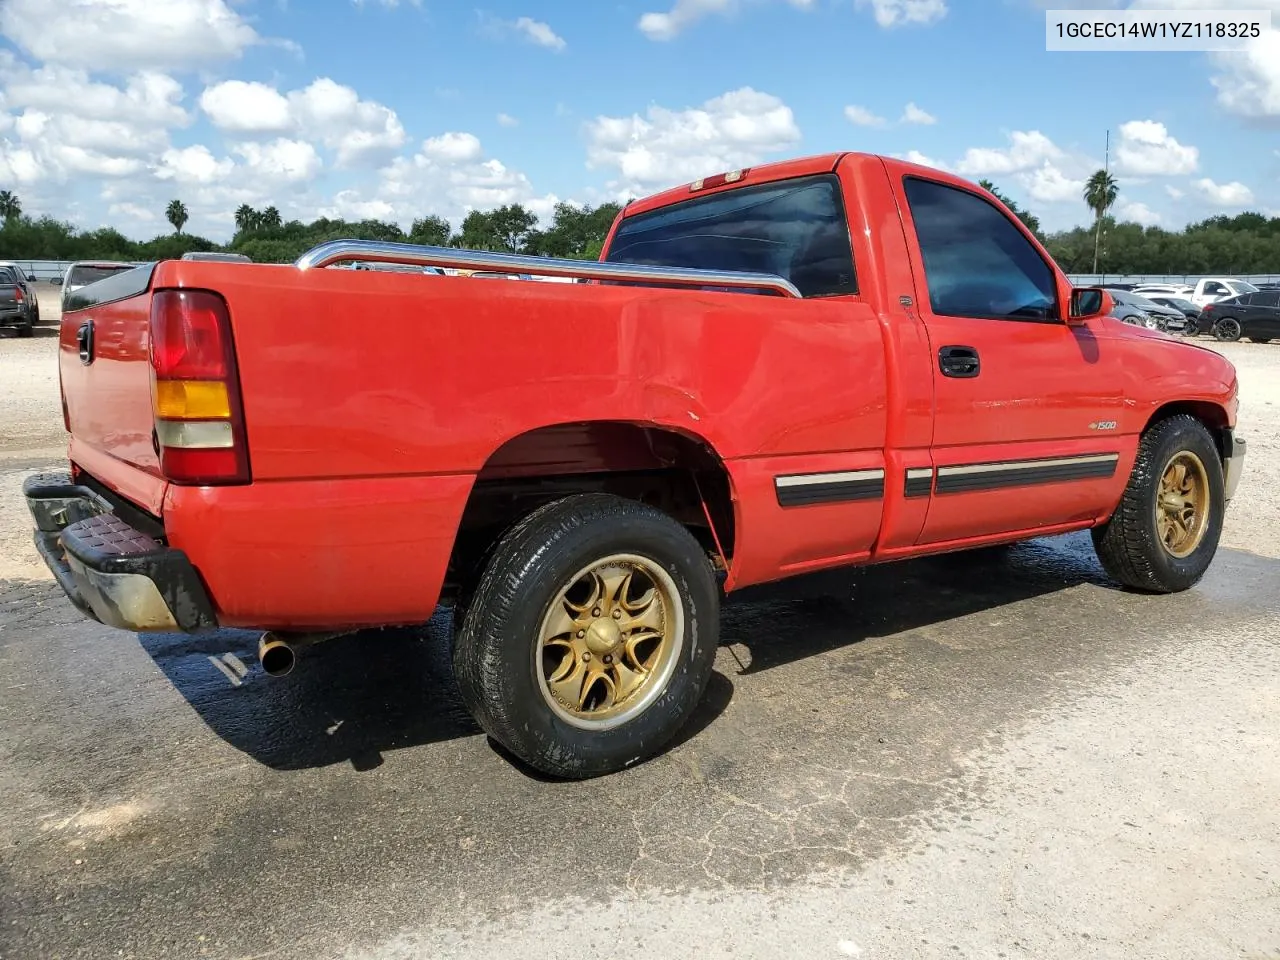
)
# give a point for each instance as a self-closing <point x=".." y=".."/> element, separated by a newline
<point x="270" y="218"/>
<point x="246" y="218"/>
<point x="1100" y="192"/>
<point x="176" y="214"/>
<point x="10" y="205"/>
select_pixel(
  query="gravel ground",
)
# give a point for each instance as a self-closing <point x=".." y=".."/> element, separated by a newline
<point x="970" y="756"/>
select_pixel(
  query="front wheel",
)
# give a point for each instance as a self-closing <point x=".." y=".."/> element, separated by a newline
<point x="590" y="637"/>
<point x="1259" y="339"/>
<point x="1227" y="330"/>
<point x="1164" y="534"/>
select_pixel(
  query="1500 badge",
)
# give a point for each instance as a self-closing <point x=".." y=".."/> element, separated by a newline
<point x="1103" y="425"/>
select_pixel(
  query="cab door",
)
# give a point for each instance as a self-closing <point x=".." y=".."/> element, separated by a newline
<point x="1027" y="409"/>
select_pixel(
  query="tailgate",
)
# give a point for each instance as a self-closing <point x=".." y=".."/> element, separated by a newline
<point x="105" y="373"/>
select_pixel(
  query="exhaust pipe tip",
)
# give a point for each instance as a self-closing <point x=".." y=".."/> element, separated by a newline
<point x="276" y="656"/>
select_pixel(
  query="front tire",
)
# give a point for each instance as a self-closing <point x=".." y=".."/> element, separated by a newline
<point x="1165" y="532"/>
<point x="26" y="330"/>
<point x="1259" y="339"/>
<point x="590" y="637"/>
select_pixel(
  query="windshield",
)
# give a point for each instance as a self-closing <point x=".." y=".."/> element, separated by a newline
<point x="794" y="229"/>
<point x="7" y="276"/>
<point x="1242" y="286"/>
<point x="82" y="276"/>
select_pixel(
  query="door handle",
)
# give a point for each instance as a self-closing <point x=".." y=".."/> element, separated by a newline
<point x="959" y="362"/>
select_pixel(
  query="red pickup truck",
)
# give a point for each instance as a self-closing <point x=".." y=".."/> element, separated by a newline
<point x="844" y="359"/>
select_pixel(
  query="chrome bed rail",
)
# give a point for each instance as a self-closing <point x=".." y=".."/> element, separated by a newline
<point x="337" y="251"/>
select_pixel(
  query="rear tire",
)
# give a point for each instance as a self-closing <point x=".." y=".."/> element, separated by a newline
<point x="1259" y="339"/>
<point x="25" y="330"/>
<point x="1160" y="539"/>
<point x="1227" y="330"/>
<point x="590" y="637"/>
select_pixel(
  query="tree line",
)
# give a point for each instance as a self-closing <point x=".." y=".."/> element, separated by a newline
<point x="1243" y="244"/>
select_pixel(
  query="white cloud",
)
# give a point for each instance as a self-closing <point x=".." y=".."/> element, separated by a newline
<point x="195" y="164"/>
<point x="1174" y="192"/>
<point x="685" y="13"/>
<point x="67" y="126"/>
<point x="666" y="147"/>
<point x="281" y="159"/>
<point x="913" y="114"/>
<point x="358" y="131"/>
<point x="526" y="28"/>
<point x="1146" y="149"/>
<point x="862" y="117"/>
<point x="1233" y="194"/>
<point x="131" y="211"/>
<point x="1137" y="212"/>
<point x="1249" y="82"/>
<point x="896" y="13"/>
<point x="453" y="147"/>
<point x="147" y="98"/>
<point x="915" y="156"/>
<point x="242" y="106"/>
<point x="540" y="33"/>
<point x="1027" y="150"/>
<point x="1048" y="184"/>
<point x="137" y="34"/>
<point x="448" y="176"/>
<point x="506" y="120"/>
<point x="389" y="4"/>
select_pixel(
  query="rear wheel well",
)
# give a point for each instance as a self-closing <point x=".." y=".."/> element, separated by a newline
<point x="674" y="472"/>
<point x="1210" y="414"/>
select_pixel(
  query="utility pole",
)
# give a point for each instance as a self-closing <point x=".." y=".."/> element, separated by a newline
<point x="1097" y="232"/>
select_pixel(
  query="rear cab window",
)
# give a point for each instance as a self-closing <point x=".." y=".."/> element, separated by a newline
<point x="83" y="276"/>
<point x="795" y="229"/>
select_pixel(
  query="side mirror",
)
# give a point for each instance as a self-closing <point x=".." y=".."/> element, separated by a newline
<point x="31" y="278"/>
<point x="1088" y="303"/>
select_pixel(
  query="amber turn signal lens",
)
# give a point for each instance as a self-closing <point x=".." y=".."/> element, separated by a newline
<point x="192" y="400"/>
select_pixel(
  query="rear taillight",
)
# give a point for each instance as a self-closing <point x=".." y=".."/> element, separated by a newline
<point x="195" y="393"/>
<point x="17" y="294"/>
<point x="1208" y="308"/>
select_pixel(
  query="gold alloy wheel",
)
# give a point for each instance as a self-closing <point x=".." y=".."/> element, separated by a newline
<point x="1182" y="504"/>
<point x="610" y="642"/>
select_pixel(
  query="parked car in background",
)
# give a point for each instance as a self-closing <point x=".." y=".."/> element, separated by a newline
<point x="1253" y="315"/>
<point x="1184" y="290"/>
<point x="26" y="283"/>
<point x="1142" y="312"/>
<point x="1214" y="289"/>
<point x="1189" y="309"/>
<point x="217" y="257"/>
<point x="15" y="304"/>
<point x="84" y="272"/>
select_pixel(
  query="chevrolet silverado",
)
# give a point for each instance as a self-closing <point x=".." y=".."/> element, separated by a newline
<point x="838" y="360"/>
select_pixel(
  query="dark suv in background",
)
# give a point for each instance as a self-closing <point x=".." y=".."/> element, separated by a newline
<point x="1252" y="315"/>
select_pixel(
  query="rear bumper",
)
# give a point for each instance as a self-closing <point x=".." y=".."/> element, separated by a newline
<point x="1233" y="451"/>
<point x="111" y="571"/>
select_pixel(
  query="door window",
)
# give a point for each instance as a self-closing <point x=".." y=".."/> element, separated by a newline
<point x="976" y="262"/>
<point x="1267" y="298"/>
<point x="1214" y="289"/>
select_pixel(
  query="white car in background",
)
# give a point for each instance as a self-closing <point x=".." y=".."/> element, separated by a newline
<point x="1205" y="290"/>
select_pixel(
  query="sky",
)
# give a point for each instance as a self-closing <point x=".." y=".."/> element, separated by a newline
<point x="395" y="109"/>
